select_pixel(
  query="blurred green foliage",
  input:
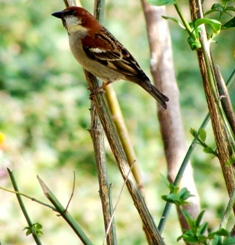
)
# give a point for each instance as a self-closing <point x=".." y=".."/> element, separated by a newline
<point x="44" y="115"/>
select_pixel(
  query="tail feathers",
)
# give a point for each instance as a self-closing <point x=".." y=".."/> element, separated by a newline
<point x="151" y="89"/>
<point x="143" y="81"/>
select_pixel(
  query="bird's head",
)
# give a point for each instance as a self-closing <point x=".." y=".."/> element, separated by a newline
<point x="76" y="19"/>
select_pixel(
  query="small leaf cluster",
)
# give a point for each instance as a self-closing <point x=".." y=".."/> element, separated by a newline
<point x="201" y="140"/>
<point x="177" y="197"/>
<point x="36" y="228"/>
<point x="224" y="9"/>
<point x="213" y="26"/>
<point x="197" y="232"/>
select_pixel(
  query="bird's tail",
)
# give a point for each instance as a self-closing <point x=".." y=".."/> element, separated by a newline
<point x="151" y="89"/>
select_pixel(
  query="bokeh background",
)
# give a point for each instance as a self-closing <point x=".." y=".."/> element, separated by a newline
<point x="44" y="122"/>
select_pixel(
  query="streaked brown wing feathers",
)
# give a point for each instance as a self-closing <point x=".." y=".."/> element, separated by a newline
<point x="114" y="56"/>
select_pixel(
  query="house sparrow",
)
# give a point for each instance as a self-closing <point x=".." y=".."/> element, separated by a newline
<point x="100" y="53"/>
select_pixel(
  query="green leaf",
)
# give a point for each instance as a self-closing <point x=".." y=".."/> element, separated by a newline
<point x="184" y="194"/>
<point x="203" y="239"/>
<point x="172" y="198"/>
<point x="231" y="161"/>
<point x="217" y="240"/>
<point x="194" y="44"/>
<point x="217" y="7"/>
<point x="230" y="8"/>
<point x="161" y="2"/>
<point x="226" y="1"/>
<point x="190" y="220"/>
<point x="199" y="217"/>
<point x="229" y="241"/>
<point x="192" y="239"/>
<point x="177" y="198"/>
<point x="193" y="132"/>
<point x="173" y="188"/>
<point x="229" y="24"/>
<point x="175" y="20"/>
<point x="209" y="150"/>
<point x="215" y="24"/>
<point x="34" y="229"/>
<point x="28" y="232"/>
<point x="202" y="134"/>
<point x="187" y="235"/>
<point x="220" y="232"/>
<point x="202" y="228"/>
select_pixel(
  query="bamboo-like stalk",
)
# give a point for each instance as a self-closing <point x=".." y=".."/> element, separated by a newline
<point x="123" y="134"/>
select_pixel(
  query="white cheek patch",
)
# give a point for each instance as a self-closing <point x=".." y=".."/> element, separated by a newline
<point x="73" y="24"/>
<point x="72" y="21"/>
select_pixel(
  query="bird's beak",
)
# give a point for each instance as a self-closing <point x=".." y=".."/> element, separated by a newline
<point x="58" y="14"/>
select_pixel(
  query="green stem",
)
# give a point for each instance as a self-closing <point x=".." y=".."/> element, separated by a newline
<point x="184" y="21"/>
<point x="64" y="213"/>
<point x="30" y="224"/>
<point x="187" y="157"/>
<point x="180" y="174"/>
<point x="228" y="210"/>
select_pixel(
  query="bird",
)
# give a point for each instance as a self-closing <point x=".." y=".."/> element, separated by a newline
<point x="101" y="54"/>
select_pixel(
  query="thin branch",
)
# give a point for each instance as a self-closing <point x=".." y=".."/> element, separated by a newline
<point x="72" y="193"/>
<point x="97" y="135"/>
<point x="64" y="213"/>
<point x="122" y="163"/>
<point x="24" y="211"/>
<point x="116" y="205"/>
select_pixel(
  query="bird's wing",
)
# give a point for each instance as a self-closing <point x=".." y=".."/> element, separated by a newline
<point x="112" y="54"/>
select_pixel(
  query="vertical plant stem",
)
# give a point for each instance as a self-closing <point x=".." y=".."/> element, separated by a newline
<point x="30" y="224"/>
<point x="224" y="221"/>
<point x="185" y="22"/>
<point x="123" y="165"/>
<point x="180" y="174"/>
<point x="170" y="120"/>
<point x="123" y="134"/>
<point x="218" y="125"/>
<point x="97" y="135"/>
<point x="185" y="162"/>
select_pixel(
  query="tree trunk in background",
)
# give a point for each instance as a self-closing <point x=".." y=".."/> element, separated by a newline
<point x="170" y="120"/>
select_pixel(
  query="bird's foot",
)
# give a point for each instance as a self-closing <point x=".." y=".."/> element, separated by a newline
<point x="95" y="91"/>
<point x="98" y="90"/>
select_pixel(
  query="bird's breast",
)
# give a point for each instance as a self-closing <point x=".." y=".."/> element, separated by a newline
<point x="93" y="66"/>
